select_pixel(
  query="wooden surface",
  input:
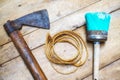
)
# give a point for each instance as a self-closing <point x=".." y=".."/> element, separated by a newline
<point x="64" y="15"/>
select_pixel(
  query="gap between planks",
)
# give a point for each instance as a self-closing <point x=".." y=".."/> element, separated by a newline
<point x="43" y="43"/>
<point x="83" y="71"/>
<point x="101" y="68"/>
<point x="73" y="21"/>
<point x="65" y="10"/>
<point x="108" y="71"/>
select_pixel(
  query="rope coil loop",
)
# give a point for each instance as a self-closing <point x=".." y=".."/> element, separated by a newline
<point x="68" y="37"/>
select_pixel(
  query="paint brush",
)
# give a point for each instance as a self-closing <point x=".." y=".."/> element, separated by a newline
<point x="97" y="31"/>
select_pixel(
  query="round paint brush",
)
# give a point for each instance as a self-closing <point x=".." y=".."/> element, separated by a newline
<point x="97" y="31"/>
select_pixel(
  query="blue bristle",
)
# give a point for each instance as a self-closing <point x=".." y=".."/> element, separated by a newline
<point x="97" y="21"/>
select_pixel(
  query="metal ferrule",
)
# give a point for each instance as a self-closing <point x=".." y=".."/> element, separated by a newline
<point x="95" y="36"/>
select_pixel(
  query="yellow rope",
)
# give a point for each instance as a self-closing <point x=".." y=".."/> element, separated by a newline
<point x="71" y="38"/>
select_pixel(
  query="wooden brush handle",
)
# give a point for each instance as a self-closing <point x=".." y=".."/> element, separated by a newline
<point x="27" y="56"/>
<point x="96" y="60"/>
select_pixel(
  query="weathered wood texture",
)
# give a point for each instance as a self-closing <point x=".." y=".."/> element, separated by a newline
<point x="67" y="23"/>
<point x="17" y="68"/>
<point x="12" y="9"/>
<point x="13" y="68"/>
<point x="111" y="72"/>
<point x="54" y="8"/>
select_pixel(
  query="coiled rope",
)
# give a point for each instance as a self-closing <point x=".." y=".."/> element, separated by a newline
<point x="69" y="37"/>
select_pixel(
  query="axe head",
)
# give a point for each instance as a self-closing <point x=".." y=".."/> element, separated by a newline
<point x="37" y="19"/>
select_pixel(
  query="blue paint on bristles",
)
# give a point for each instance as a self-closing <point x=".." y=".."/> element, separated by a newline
<point x="97" y="21"/>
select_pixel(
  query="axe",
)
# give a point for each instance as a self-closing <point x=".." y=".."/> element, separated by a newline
<point x="37" y="19"/>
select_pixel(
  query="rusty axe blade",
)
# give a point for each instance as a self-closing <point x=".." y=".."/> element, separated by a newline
<point x="37" y="19"/>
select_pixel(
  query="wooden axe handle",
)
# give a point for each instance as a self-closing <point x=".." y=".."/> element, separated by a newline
<point x="27" y="55"/>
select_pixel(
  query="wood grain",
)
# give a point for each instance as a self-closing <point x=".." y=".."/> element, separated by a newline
<point x="109" y="53"/>
<point x="22" y="71"/>
<point x="110" y="72"/>
<point x="73" y="21"/>
<point x="12" y="9"/>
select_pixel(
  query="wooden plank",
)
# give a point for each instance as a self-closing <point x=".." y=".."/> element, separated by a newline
<point x="110" y="72"/>
<point x="112" y="44"/>
<point x="20" y="68"/>
<point x="67" y="23"/>
<point x="12" y="9"/>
